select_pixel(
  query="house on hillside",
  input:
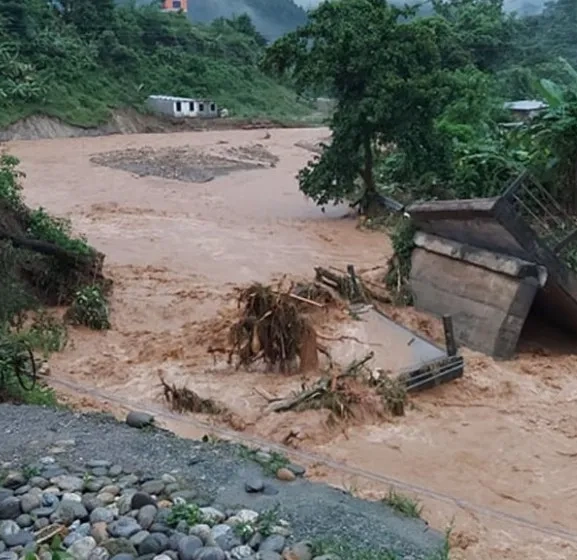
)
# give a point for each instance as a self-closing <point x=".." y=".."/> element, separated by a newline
<point x="180" y="107"/>
<point x="175" y="6"/>
<point x="524" y="110"/>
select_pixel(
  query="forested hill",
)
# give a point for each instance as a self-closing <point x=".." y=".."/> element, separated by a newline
<point x="271" y="17"/>
<point x="86" y="57"/>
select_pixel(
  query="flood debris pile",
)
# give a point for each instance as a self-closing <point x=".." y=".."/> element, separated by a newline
<point x="183" y="399"/>
<point x="347" y="393"/>
<point x="272" y="329"/>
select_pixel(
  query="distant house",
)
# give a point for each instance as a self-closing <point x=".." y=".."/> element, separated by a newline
<point x="524" y="110"/>
<point x="175" y="6"/>
<point x="182" y="106"/>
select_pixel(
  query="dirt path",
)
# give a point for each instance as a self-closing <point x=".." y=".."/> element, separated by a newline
<point x="503" y="437"/>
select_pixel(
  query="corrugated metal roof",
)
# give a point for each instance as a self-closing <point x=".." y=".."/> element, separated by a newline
<point x="527" y="105"/>
<point x="172" y="98"/>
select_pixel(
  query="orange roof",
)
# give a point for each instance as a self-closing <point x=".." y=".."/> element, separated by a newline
<point x="175" y="5"/>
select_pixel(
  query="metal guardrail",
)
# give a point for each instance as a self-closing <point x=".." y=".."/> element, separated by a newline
<point x="555" y="228"/>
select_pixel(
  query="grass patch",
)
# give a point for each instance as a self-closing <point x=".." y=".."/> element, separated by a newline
<point x="189" y="513"/>
<point x="270" y="465"/>
<point x="403" y="504"/>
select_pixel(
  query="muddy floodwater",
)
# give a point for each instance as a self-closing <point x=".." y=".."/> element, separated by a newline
<point x="178" y="241"/>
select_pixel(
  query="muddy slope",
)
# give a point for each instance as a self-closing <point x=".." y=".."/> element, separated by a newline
<point x="129" y="121"/>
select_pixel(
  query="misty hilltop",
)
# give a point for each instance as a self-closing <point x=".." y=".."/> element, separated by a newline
<point x="272" y="18"/>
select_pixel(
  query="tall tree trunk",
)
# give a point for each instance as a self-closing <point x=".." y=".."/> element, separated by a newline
<point x="369" y="203"/>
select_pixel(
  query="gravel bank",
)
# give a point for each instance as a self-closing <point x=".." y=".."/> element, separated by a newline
<point x="219" y="475"/>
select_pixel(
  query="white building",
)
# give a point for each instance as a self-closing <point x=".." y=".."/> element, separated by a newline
<point x="182" y="106"/>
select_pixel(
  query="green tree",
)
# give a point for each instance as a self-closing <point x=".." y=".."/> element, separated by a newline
<point x="391" y="78"/>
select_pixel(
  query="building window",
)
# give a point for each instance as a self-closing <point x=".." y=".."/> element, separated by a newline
<point x="176" y="4"/>
<point x="191" y="106"/>
<point x="201" y="107"/>
<point x="212" y="107"/>
<point x="178" y="107"/>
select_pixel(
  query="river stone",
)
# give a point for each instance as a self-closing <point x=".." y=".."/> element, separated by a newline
<point x="153" y="544"/>
<point x="212" y="515"/>
<point x="50" y="499"/>
<point x="139" y="419"/>
<point x="39" y="482"/>
<point x="71" y="497"/>
<point x="241" y="552"/>
<point x="201" y="531"/>
<point x="247" y="515"/>
<point x="22" y="490"/>
<point x="71" y="538"/>
<point x="68" y="512"/>
<point x="40" y="523"/>
<point x="186" y="496"/>
<point x="139" y="500"/>
<point x="68" y="483"/>
<point x="153" y="487"/>
<point x="8" y="528"/>
<point x="225" y="537"/>
<point x="188" y="546"/>
<point x="21" y="538"/>
<point x="119" y="546"/>
<point x="101" y="514"/>
<point x="2" y="546"/>
<point x="8" y="555"/>
<point x="123" y="556"/>
<point x="254" y="484"/>
<point x="115" y="470"/>
<point x="10" y="508"/>
<point x="139" y="537"/>
<point x="165" y="556"/>
<point x="43" y="511"/>
<point x="82" y="548"/>
<point x="25" y="520"/>
<point x="13" y="480"/>
<point x="124" y="527"/>
<point x="28" y="502"/>
<point x="276" y="543"/>
<point x="99" y="553"/>
<point x="111" y="489"/>
<point x="255" y="541"/>
<point x="99" y="532"/>
<point x="271" y="555"/>
<point x="300" y="551"/>
<point x="210" y="553"/>
<point x="106" y="498"/>
<point x="5" y="493"/>
<point x="146" y="516"/>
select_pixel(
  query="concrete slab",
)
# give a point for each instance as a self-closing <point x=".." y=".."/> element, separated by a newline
<point x="495" y="226"/>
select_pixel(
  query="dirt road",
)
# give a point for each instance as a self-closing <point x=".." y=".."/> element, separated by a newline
<point x="503" y="437"/>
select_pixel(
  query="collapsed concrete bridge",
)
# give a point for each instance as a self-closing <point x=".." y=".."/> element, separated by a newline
<point x="489" y="262"/>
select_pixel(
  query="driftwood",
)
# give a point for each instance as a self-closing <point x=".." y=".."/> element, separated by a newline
<point x="350" y="286"/>
<point x="321" y="388"/>
<point x="45" y="248"/>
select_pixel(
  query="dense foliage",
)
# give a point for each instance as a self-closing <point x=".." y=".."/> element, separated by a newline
<point x="419" y="110"/>
<point x="78" y="59"/>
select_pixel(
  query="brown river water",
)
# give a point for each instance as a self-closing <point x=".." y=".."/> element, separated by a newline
<point x="504" y="437"/>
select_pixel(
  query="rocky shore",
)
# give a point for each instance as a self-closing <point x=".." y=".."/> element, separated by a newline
<point x="85" y="487"/>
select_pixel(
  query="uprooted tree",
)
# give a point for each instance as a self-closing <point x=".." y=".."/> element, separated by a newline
<point x="391" y="77"/>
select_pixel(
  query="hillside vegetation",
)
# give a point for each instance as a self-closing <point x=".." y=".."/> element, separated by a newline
<point x="88" y="57"/>
<point x="431" y="91"/>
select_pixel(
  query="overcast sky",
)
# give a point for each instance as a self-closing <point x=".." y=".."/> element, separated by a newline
<point x="509" y="4"/>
